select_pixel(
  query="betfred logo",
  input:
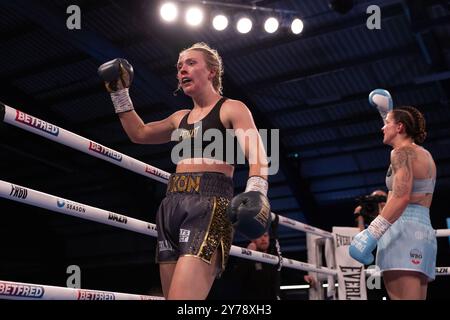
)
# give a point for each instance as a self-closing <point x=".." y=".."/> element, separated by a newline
<point x="94" y="295"/>
<point x="36" y="123"/>
<point x="18" y="192"/>
<point x="21" y="290"/>
<point x="416" y="256"/>
<point x="156" y="172"/>
<point x="98" y="148"/>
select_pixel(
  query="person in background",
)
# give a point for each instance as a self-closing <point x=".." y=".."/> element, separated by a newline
<point x="369" y="207"/>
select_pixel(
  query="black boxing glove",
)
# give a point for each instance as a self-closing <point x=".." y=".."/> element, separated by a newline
<point x="249" y="212"/>
<point x="118" y="75"/>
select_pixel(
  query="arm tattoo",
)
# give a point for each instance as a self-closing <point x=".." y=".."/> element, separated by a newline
<point x="402" y="159"/>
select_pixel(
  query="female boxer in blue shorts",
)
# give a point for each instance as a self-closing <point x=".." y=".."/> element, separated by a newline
<point x="406" y="240"/>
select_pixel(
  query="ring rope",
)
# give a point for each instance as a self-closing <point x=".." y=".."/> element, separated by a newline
<point x="30" y="291"/>
<point x="61" y="205"/>
<point x="52" y="132"/>
<point x="440" y="271"/>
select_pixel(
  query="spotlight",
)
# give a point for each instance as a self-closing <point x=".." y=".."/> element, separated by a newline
<point x="244" y="25"/>
<point x="271" y="25"/>
<point x="194" y="16"/>
<point x="297" y="26"/>
<point x="220" y="22"/>
<point x="169" y="11"/>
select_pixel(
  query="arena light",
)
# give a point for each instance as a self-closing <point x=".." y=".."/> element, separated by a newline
<point x="243" y="16"/>
<point x="194" y="16"/>
<point x="297" y="26"/>
<point x="169" y="11"/>
<point x="220" y="22"/>
<point x="271" y="25"/>
<point x="244" y="25"/>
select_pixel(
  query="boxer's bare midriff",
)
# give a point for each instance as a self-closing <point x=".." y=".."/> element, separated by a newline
<point x="204" y="165"/>
<point x="423" y="199"/>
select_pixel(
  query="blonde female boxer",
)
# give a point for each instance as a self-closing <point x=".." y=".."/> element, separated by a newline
<point x="194" y="220"/>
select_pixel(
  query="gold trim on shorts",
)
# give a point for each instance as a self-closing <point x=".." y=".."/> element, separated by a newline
<point x="219" y="232"/>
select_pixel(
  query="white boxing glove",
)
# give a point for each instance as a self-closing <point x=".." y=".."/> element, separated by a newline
<point x="382" y="100"/>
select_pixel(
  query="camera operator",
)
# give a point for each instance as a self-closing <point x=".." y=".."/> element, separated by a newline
<point x="369" y="207"/>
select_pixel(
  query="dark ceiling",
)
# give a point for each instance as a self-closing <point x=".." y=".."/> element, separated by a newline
<point x="313" y="87"/>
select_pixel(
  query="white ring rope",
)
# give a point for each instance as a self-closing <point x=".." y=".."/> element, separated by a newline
<point x="29" y="291"/>
<point x="443" y="233"/>
<point x="47" y="201"/>
<point x="47" y="130"/>
<point x="52" y="132"/>
<point x="293" y="224"/>
<point x="440" y="271"/>
<point x="61" y="205"/>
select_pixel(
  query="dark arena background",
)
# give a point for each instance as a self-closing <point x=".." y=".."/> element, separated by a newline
<point x="312" y="86"/>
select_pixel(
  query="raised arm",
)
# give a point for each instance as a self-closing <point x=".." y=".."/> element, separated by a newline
<point x="118" y="76"/>
<point x="150" y="133"/>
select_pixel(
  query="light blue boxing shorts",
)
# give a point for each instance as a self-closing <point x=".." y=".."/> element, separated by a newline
<point x="409" y="244"/>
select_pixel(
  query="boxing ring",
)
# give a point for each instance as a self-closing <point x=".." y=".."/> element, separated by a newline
<point x="8" y="190"/>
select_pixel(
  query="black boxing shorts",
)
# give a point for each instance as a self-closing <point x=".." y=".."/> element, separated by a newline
<point x="192" y="219"/>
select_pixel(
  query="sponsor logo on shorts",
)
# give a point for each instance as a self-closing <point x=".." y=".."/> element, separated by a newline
<point x="36" y="123"/>
<point x="18" y="192"/>
<point x="94" y="295"/>
<point x="164" y="246"/>
<point x="71" y="206"/>
<point x="21" y="290"/>
<point x="104" y="151"/>
<point x="416" y="256"/>
<point x="184" y="235"/>
<point x="151" y="226"/>
<point x="117" y="217"/>
<point x="418" y="235"/>
<point x="246" y="252"/>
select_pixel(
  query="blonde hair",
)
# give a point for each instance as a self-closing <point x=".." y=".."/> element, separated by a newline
<point x="213" y="62"/>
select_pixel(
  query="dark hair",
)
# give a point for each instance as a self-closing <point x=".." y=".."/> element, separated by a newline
<point x="414" y="122"/>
